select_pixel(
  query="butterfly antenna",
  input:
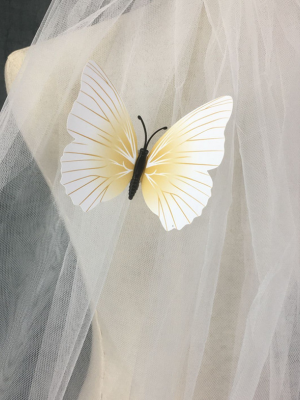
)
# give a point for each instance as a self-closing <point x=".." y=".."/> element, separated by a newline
<point x="165" y="127"/>
<point x="141" y="119"/>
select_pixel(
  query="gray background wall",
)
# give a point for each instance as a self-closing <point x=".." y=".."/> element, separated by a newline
<point x="19" y="21"/>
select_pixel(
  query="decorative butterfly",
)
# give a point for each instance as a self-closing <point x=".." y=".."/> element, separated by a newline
<point x="103" y="159"/>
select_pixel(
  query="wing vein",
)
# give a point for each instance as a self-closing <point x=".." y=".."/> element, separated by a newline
<point x="83" y="185"/>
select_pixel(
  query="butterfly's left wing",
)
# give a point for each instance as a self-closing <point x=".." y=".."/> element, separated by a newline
<point x="99" y="163"/>
<point x="176" y="184"/>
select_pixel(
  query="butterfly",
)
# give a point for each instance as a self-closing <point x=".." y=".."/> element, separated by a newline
<point x="103" y="158"/>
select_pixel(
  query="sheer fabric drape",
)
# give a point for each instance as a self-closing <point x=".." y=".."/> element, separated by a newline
<point x="107" y="305"/>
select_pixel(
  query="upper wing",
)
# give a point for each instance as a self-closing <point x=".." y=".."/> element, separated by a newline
<point x="176" y="185"/>
<point x="99" y="163"/>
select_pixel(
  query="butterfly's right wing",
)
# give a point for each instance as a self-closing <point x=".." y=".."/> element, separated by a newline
<point x="176" y="184"/>
<point x="98" y="164"/>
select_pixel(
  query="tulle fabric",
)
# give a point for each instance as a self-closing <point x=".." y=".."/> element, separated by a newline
<point x="107" y="305"/>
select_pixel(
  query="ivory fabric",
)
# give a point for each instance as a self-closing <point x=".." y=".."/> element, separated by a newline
<point x="107" y="305"/>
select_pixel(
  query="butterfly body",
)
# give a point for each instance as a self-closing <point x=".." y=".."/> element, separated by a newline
<point x="103" y="157"/>
<point x="138" y="170"/>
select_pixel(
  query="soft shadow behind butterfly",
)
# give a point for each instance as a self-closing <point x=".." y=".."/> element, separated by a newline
<point x="103" y="158"/>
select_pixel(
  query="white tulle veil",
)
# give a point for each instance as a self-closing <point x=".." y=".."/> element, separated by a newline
<point x="106" y="304"/>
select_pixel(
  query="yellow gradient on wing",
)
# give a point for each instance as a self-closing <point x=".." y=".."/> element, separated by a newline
<point x="176" y="184"/>
<point x="98" y="164"/>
